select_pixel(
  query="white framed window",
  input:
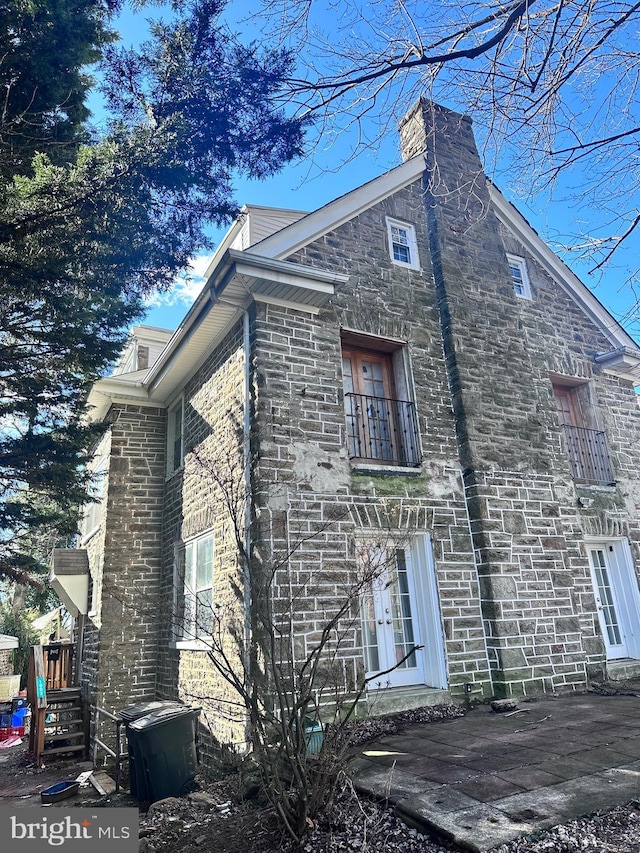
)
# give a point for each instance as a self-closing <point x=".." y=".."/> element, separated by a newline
<point x="198" y="588"/>
<point x="175" y="437"/>
<point x="92" y="511"/>
<point x="403" y="247"/>
<point x="519" y="276"/>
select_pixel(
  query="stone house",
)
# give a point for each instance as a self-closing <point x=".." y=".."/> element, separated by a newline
<point x="407" y="371"/>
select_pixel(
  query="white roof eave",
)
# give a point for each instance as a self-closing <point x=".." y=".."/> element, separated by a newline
<point x="236" y="281"/>
<point x="7" y="641"/>
<point x="329" y="217"/>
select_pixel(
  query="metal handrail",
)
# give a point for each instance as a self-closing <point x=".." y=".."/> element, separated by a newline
<point x="118" y="755"/>
<point x="382" y="429"/>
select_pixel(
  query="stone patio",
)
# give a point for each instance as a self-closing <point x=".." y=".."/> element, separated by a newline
<point x="486" y="778"/>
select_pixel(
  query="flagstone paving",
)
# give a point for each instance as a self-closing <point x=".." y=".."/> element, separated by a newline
<point x="487" y="778"/>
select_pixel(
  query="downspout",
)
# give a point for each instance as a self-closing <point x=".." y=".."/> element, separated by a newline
<point x="247" y="507"/>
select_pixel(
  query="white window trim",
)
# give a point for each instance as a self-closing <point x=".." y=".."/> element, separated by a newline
<point x="414" y="263"/>
<point x="184" y="588"/>
<point x="171" y="468"/>
<point x="517" y="261"/>
<point x="92" y="511"/>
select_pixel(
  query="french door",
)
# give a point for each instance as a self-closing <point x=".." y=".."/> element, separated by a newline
<point x="368" y="385"/>
<point x="617" y="599"/>
<point x="402" y="636"/>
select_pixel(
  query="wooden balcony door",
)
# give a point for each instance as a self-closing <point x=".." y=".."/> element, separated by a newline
<point x="369" y="376"/>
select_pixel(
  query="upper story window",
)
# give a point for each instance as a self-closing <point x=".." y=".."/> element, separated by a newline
<point x="519" y="276"/>
<point x="175" y="437"/>
<point x="586" y="447"/>
<point x="381" y="419"/>
<point x="92" y="511"/>
<point x="198" y="588"/>
<point x="403" y="247"/>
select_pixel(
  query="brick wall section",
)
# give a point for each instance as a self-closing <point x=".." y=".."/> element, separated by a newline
<point x="213" y="417"/>
<point x="6" y="667"/>
<point x="95" y="546"/>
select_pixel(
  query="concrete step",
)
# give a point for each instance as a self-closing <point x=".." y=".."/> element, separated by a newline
<point x="391" y="700"/>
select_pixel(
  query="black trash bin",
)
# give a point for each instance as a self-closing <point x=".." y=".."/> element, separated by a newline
<point x="137" y="781"/>
<point x="164" y="744"/>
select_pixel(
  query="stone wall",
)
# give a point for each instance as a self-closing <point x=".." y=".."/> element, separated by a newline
<point x="193" y="505"/>
<point x="527" y="520"/>
<point x="493" y="495"/>
<point x="94" y="544"/>
<point x="304" y="476"/>
<point x="121" y="636"/>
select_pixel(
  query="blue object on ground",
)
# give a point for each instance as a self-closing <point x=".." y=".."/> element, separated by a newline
<point x="59" y="791"/>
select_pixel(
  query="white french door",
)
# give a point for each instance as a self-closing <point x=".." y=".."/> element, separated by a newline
<point x="617" y="598"/>
<point x="396" y="619"/>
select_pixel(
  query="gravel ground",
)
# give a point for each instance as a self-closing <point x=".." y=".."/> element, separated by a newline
<point x="354" y="825"/>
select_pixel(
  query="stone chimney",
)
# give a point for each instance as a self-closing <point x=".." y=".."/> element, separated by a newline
<point x="425" y="118"/>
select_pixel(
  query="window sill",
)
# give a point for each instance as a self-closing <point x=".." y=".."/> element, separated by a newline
<point x="386" y="470"/>
<point x="405" y="266"/>
<point x="190" y="645"/>
<point x="171" y="474"/>
<point x="598" y="487"/>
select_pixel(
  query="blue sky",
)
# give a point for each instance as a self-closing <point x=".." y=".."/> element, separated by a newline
<point x="320" y="177"/>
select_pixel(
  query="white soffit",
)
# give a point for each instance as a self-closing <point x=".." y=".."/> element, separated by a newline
<point x="559" y="271"/>
<point x="239" y="279"/>
<point x="315" y="225"/>
<point x="623" y="362"/>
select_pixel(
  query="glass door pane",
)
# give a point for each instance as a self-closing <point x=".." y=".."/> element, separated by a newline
<point x="606" y="604"/>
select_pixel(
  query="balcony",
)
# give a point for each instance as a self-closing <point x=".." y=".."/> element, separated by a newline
<point x="382" y="430"/>
<point x="588" y="456"/>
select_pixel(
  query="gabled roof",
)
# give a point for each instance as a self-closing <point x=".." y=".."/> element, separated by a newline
<point x="330" y="216"/>
<point x="260" y="272"/>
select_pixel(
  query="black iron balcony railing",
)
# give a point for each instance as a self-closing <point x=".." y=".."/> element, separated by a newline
<point x="381" y="429"/>
<point x="588" y="457"/>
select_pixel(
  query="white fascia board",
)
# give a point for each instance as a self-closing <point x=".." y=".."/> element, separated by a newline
<point x="558" y="270"/>
<point x="623" y="362"/>
<point x="226" y="241"/>
<point x="313" y="226"/>
<point x="151" y="333"/>
<point x="230" y="290"/>
<point x="113" y="389"/>
<point x="284" y="272"/>
<point x="7" y="641"/>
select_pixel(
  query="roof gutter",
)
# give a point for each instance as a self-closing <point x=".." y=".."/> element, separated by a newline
<point x="234" y="262"/>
